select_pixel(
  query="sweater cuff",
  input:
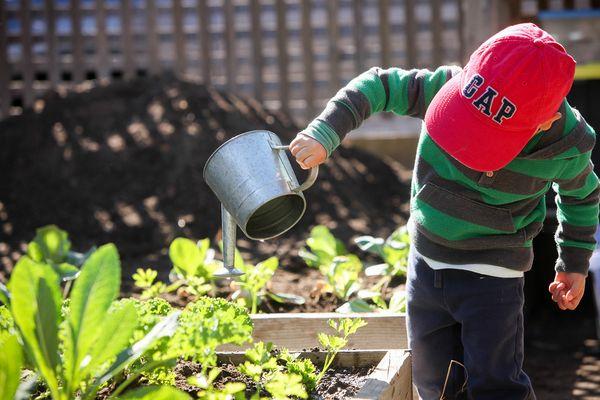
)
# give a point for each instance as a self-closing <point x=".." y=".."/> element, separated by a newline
<point x="322" y="132"/>
<point x="573" y="259"/>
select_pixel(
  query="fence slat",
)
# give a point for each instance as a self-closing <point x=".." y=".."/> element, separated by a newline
<point x="152" y="37"/>
<point x="204" y="39"/>
<point x="384" y="32"/>
<point x="230" y="45"/>
<point x="101" y="40"/>
<point x="411" y="36"/>
<point x="4" y="68"/>
<point x="307" y="49"/>
<point x="357" y="10"/>
<point x="180" y="55"/>
<point x="127" y="49"/>
<point x="437" y="25"/>
<point x="282" y="52"/>
<point x="26" y="61"/>
<point x="76" y="42"/>
<point x="257" y="49"/>
<point x="51" y="42"/>
<point x="333" y="7"/>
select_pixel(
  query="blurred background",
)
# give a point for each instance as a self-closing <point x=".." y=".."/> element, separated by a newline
<point x="109" y="110"/>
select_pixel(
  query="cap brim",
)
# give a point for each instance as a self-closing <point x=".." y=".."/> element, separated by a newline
<point x="467" y="136"/>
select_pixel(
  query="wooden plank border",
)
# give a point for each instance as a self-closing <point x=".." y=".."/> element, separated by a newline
<point x="298" y="331"/>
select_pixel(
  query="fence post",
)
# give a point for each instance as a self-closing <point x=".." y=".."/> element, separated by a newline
<point x="152" y="37"/>
<point x="257" y="49"/>
<point x="437" y="25"/>
<point x="4" y="73"/>
<point x="204" y="38"/>
<point x="230" y="56"/>
<point x="307" y="48"/>
<point x="333" y="7"/>
<point x="384" y="32"/>
<point x="481" y="19"/>
<point x="282" y="52"/>
<point x="76" y="51"/>
<point x="102" y="60"/>
<point x="410" y="27"/>
<point x="127" y="55"/>
<point x="179" y="37"/>
<point x="51" y="43"/>
<point x="357" y="10"/>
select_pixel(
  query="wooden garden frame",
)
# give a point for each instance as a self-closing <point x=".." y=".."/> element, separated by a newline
<point x="381" y="343"/>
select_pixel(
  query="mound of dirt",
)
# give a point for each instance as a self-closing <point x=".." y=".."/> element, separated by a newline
<point x="123" y="163"/>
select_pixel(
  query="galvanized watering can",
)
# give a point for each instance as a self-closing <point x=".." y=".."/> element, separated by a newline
<point x="252" y="177"/>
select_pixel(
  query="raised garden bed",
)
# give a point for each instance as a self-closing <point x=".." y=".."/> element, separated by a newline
<point x="380" y="344"/>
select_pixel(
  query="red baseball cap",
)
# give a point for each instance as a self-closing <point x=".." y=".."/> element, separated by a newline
<point x="515" y="81"/>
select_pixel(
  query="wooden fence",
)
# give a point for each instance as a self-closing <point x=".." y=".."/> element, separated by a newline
<point x="289" y="54"/>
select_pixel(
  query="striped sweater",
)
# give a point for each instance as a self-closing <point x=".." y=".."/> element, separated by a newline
<point x="459" y="215"/>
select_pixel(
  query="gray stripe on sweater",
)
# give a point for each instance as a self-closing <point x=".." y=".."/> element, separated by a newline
<point x="583" y="234"/>
<point x="466" y="209"/>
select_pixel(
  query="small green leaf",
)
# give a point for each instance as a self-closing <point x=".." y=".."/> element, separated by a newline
<point x="155" y="393"/>
<point x="287" y="298"/>
<point x="185" y="256"/>
<point x="356" y="305"/>
<point x="11" y="361"/>
<point x="52" y="242"/>
<point x="66" y="271"/>
<point x="377" y="269"/>
<point x="398" y="302"/>
<point x="4" y="295"/>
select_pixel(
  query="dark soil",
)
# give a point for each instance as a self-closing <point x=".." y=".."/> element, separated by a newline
<point x="337" y="383"/>
<point x="123" y="163"/>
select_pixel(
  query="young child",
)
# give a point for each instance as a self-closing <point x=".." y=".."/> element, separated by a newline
<point x="497" y="135"/>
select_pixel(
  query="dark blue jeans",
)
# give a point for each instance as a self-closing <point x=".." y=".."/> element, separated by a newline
<point x="471" y="318"/>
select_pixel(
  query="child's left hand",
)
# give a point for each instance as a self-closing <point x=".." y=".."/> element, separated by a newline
<point x="567" y="289"/>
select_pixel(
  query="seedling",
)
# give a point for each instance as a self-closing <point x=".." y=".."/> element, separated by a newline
<point x="334" y="343"/>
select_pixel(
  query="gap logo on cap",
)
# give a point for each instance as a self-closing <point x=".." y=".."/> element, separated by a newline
<point x="484" y="102"/>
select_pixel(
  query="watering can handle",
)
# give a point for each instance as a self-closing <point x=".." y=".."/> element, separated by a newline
<point x="312" y="174"/>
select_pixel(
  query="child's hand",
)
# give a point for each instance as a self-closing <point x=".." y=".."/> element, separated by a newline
<point x="308" y="151"/>
<point x="567" y="289"/>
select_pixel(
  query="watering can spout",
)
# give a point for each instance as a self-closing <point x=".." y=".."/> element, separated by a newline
<point x="229" y="230"/>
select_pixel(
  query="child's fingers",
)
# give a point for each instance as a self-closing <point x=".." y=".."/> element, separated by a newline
<point x="311" y="161"/>
<point x="303" y="154"/>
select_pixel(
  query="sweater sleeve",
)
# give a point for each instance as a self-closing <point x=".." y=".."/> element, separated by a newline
<point x="403" y="92"/>
<point x="577" y="196"/>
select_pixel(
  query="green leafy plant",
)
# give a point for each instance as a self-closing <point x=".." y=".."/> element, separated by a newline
<point x="262" y="366"/>
<point x="253" y="286"/>
<point x="324" y="247"/>
<point x="69" y="352"/>
<point x="334" y="343"/>
<point x="11" y="362"/>
<point x="51" y="246"/>
<point x="193" y="270"/>
<point x="393" y="251"/>
<point x="397" y="303"/>
<point x="231" y="390"/>
<point x="328" y="254"/>
<point x="206" y="324"/>
<point x="300" y="366"/>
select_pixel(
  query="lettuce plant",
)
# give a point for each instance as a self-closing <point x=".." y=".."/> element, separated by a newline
<point x="324" y="247"/>
<point x="69" y="352"/>
<point x="393" y="251"/>
<point x="193" y="270"/>
<point x="253" y="286"/>
<point x="51" y="246"/>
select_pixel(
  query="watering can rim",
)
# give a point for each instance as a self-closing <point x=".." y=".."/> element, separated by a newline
<point x="230" y="140"/>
